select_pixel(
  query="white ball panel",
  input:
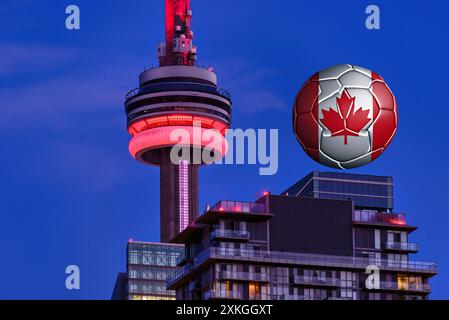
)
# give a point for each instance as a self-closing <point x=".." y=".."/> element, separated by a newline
<point x="335" y="72"/>
<point x="365" y="159"/>
<point x="339" y="151"/>
<point x="366" y="72"/>
<point x="355" y="79"/>
<point x="328" y="88"/>
<point x="364" y="100"/>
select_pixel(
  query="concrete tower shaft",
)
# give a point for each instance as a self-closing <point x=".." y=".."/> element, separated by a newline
<point x="178" y="196"/>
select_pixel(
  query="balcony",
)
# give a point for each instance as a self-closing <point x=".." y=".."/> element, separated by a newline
<point x="315" y="282"/>
<point x="404" y="287"/>
<point x="294" y="297"/>
<point x="178" y="275"/>
<point x="217" y="294"/>
<point x="298" y="259"/>
<point x="242" y="276"/>
<point x="192" y="231"/>
<point x="250" y="211"/>
<point x="181" y="260"/>
<point x="401" y="246"/>
<point x="236" y="235"/>
<point x="290" y="258"/>
<point x="173" y="86"/>
<point x="238" y="207"/>
<point x="288" y="297"/>
<point x="381" y="219"/>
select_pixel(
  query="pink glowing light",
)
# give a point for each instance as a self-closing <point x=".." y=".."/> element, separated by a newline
<point x="163" y="137"/>
<point x="177" y="120"/>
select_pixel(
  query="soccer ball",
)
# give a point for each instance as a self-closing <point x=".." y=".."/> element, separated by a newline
<point x="345" y="116"/>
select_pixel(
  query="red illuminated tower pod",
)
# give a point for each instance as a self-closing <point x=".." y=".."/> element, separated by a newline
<point x="177" y="101"/>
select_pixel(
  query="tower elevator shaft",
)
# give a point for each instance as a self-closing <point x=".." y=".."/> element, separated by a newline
<point x="178" y="196"/>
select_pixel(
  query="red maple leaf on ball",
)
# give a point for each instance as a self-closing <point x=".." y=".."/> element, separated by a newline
<point x="345" y="122"/>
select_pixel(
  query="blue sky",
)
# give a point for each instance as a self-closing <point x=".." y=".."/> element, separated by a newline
<point x="71" y="193"/>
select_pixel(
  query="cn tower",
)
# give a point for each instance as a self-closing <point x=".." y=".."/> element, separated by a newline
<point x="177" y="99"/>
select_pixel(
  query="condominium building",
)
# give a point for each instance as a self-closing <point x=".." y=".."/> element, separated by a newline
<point x="316" y="241"/>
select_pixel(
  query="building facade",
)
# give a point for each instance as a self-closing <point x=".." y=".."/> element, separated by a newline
<point x="313" y="242"/>
<point x="148" y="266"/>
<point x="366" y="191"/>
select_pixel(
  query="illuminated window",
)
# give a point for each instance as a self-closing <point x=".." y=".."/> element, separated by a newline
<point x="402" y="283"/>
<point x="407" y="283"/>
<point x="254" y="291"/>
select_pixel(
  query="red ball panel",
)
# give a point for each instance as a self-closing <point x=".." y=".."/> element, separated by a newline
<point x="307" y="96"/>
<point x="384" y="129"/>
<point x="305" y="123"/>
<point x="383" y="95"/>
<point x="306" y="130"/>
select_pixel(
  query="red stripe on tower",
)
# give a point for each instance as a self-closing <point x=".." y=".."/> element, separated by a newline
<point x="384" y="115"/>
<point x="179" y="49"/>
<point x="306" y="116"/>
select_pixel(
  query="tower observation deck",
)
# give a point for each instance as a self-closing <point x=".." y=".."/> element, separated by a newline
<point x="177" y="105"/>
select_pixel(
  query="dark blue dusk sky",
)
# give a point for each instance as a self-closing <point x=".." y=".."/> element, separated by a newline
<point x="72" y="194"/>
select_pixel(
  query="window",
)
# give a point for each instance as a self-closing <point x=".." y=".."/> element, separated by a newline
<point x="254" y="291"/>
<point x="364" y="238"/>
<point x="225" y="267"/>
<point x="393" y="236"/>
<point x="230" y="225"/>
<point x="257" y="231"/>
<point x="373" y="296"/>
<point x="407" y="283"/>
<point x="396" y="260"/>
<point x="314" y="275"/>
<point x="348" y="285"/>
<point x="316" y="294"/>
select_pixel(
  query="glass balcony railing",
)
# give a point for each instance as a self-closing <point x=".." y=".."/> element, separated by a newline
<point x="178" y="86"/>
<point x="308" y="281"/>
<point x="178" y="274"/>
<point x="304" y="297"/>
<point x="223" y="294"/>
<point x="242" y="276"/>
<point x="234" y="295"/>
<point x="239" y="207"/>
<point x="199" y="259"/>
<point x="313" y="259"/>
<point x="288" y="297"/>
<point x="411" y="287"/>
<point x="230" y="234"/>
<point x="289" y="258"/>
<point x="401" y="246"/>
<point x="379" y="217"/>
<point x="181" y="260"/>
